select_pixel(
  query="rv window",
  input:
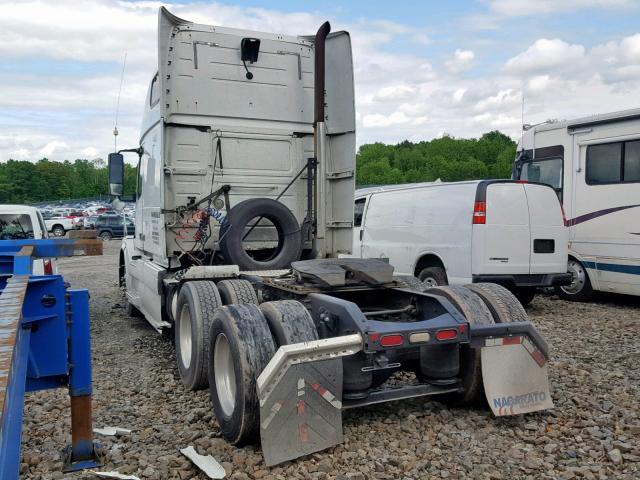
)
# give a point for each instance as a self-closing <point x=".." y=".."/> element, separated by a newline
<point x="603" y="163"/>
<point x="358" y="211"/>
<point x="154" y="96"/>
<point x="632" y="161"/>
<point x="547" y="171"/>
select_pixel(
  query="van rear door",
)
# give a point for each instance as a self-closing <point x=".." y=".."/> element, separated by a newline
<point x="501" y="238"/>
<point x="549" y="236"/>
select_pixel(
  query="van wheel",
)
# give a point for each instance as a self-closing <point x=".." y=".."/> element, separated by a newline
<point x="241" y="346"/>
<point x="197" y="303"/>
<point x="580" y="289"/>
<point x="433" y="277"/>
<point x="525" y="295"/>
<point x="237" y="292"/>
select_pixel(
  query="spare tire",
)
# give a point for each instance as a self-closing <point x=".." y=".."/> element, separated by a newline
<point x="240" y="218"/>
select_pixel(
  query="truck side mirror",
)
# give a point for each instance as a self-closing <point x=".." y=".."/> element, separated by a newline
<point x="116" y="174"/>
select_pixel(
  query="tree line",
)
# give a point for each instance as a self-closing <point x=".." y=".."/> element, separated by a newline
<point x="446" y="158"/>
<point x="22" y="181"/>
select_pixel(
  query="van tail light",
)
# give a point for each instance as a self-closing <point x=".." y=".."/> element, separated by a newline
<point x="48" y="266"/>
<point x="480" y="213"/>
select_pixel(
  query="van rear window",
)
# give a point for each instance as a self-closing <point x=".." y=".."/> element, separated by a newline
<point x="15" y="227"/>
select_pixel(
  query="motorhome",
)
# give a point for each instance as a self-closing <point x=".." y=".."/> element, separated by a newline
<point x="593" y="163"/>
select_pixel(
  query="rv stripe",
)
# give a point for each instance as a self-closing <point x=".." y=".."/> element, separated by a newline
<point x="613" y="267"/>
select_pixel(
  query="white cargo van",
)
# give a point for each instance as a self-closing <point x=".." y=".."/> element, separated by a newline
<point x="593" y="164"/>
<point x="21" y="222"/>
<point x="500" y="231"/>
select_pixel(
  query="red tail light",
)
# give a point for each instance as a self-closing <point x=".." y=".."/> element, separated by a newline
<point x="48" y="267"/>
<point x="522" y="181"/>
<point x="480" y="213"/>
<point x="448" y="334"/>
<point x="391" y="340"/>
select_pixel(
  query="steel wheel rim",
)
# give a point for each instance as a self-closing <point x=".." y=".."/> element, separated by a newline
<point x="186" y="345"/>
<point x="578" y="277"/>
<point x="224" y="374"/>
<point x="430" y="282"/>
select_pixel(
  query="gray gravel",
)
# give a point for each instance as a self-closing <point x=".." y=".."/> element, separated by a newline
<point x="593" y="433"/>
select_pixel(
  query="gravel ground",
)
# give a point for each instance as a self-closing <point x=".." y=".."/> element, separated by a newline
<point x="593" y="432"/>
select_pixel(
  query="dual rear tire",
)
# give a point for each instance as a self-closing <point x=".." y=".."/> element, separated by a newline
<point x="480" y="304"/>
<point x="224" y="341"/>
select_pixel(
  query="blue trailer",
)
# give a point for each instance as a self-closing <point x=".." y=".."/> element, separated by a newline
<point x="44" y="344"/>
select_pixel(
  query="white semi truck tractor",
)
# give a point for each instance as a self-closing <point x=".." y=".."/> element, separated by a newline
<point x="244" y="213"/>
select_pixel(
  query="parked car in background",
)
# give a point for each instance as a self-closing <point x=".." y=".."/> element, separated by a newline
<point x="498" y="231"/>
<point x="20" y="222"/>
<point x="593" y="163"/>
<point x="59" y="226"/>
<point x="113" y="226"/>
<point x="89" y="222"/>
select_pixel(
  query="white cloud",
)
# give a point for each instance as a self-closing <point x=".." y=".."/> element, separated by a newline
<point x="52" y="147"/>
<point x="545" y="55"/>
<point x="502" y="98"/>
<point x="377" y="120"/>
<point x="512" y="8"/>
<point x="461" y="61"/>
<point x="396" y="92"/>
<point x="90" y="152"/>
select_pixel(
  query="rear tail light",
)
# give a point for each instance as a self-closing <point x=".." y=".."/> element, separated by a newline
<point x="447" y="334"/>
<point x="480" y="213"/>
<point x="392" y="340"/>
<point x="48" y="267"/>
<point x="522" y="181"/>
<point x="419" y="337"/>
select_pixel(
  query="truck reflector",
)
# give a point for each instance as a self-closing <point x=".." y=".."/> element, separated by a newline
<point x="393" y="340"/>
<point x="479" y="213"/>
<point x="447" y="334"/>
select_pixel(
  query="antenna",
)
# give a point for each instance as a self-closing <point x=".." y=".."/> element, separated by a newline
<point x="522" y="117"/>
<point x="115" y="127"/>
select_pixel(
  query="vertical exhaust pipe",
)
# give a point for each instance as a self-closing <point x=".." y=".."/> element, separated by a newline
<point x="318" y="86"/>
<point x="318" y="117"/>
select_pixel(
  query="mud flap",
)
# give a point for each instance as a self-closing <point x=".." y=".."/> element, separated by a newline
<point x="300" y="393"/>
<point x="515" y="376"/>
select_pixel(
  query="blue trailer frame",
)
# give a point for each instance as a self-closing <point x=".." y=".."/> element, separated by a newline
<point x="44" y="343"/>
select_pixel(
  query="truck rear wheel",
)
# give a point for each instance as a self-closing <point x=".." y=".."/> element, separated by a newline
<point x="476" y="313"/>
<point x="289" y="322"/>
<point x="241" y="346"/>
<point x="237" y="292"/>
<point x="504" y="306"/>
<point x="197" y="303"/>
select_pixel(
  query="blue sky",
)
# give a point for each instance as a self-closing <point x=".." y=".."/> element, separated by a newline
<point x="422" y="68"/>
